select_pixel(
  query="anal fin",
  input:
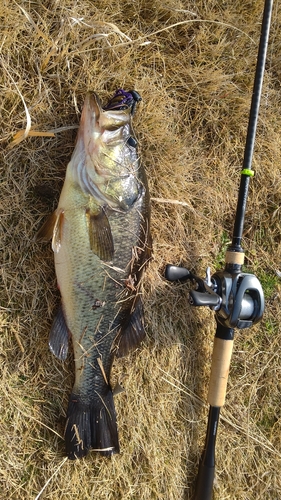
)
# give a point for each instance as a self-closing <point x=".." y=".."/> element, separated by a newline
<point x="59" y="336"/>
<point x="133" y="333"/>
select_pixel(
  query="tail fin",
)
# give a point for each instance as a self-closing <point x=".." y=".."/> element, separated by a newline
<point x="91" y="425"/>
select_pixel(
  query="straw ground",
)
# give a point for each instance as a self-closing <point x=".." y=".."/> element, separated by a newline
<point x="193" y="63"/>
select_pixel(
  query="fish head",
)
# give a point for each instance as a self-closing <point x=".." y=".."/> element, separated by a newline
<point x="104" y="160"/>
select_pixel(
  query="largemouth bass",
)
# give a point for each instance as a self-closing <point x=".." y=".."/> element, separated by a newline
<point x="101" y="242"/>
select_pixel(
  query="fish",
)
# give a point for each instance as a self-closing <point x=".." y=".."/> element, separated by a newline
<point x="101" y="241"/>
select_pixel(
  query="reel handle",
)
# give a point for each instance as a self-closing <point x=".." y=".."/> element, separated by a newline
<point x="176" y="273"/>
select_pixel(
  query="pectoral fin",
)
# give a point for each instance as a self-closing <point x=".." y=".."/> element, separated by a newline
<point x="59" y="336"/>
<point x="133" y="333"/>
<point x="101" y="240"/>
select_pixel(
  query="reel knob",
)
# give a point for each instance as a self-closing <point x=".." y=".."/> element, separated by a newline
<point x="176" y="273"/>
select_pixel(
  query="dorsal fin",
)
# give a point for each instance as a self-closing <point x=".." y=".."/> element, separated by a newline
<point x="45" y="232"/>
<point x="52" y="229"/>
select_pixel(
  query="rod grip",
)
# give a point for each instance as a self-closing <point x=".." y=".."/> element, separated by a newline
<point x="204" y="485"/>
<point x="222" y="352"/>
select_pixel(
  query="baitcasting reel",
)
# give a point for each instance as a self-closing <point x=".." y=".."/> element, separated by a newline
<point x="236" y="297"/>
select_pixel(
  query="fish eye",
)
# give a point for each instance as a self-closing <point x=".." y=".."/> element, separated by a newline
<point x="131" y="141"/>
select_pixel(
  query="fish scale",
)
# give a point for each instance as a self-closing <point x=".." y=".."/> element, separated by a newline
<point x="88" y="287"/>
<point x="101" y="241"/>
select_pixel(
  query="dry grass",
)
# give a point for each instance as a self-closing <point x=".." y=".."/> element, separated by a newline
<point x="193" y="63"/>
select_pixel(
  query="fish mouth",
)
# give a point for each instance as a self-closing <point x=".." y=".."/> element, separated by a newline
<point x="121" y="100"/>
<point x="94" y="113"/>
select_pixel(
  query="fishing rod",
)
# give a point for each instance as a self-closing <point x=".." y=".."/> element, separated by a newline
<point x="236" y="297"/>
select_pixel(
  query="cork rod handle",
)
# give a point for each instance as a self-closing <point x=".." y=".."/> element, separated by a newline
<point x="222" y="352"/>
